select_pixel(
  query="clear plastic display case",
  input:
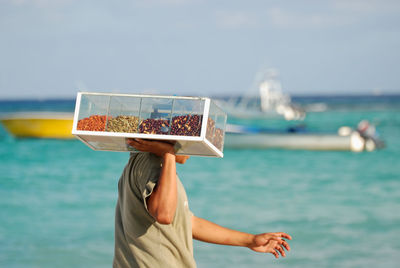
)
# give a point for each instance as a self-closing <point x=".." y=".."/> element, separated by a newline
<point x="105" y="121"/>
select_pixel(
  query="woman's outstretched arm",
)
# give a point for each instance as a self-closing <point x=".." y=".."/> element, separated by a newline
<point x="210" y="232"/>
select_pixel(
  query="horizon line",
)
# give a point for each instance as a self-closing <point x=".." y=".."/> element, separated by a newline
<point x="298" y="95"/>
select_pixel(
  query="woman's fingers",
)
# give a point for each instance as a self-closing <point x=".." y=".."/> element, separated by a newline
<point x="274" y="243"/>
<point x="136" y="141"/>
<point x="136" y="144"/>
<point x="280" y="250"/>
<point x="277" y="236"/>
<point x="275" y="253"/>
<point x="143" y="142"/>
<point x="131" y="142"/>
<point x="284" y="235"/>
<point x="286" y="245"/>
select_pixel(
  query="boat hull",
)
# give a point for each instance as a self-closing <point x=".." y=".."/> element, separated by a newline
<point x="54" y="128"/>
<point x="320" y="142"/>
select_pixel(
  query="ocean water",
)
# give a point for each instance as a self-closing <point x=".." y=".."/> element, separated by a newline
<point x="57" y="198"/>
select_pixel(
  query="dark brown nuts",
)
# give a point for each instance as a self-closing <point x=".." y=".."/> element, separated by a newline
<point x="186" y="125"/>
<point x="182" y="125"/>
<point x="154" y="126"/>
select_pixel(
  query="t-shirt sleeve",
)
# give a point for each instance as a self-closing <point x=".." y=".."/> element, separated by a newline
<point x="146" y="181"/>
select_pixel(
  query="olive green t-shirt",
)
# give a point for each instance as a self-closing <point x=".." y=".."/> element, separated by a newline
<point x="140" y="241"/>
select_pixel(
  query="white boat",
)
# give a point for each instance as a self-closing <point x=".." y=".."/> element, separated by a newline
<point x="241" y="137"/>
<point x="268" y="102"/>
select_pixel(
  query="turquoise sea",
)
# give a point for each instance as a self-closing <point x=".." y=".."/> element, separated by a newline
<point x="57" y="198"/>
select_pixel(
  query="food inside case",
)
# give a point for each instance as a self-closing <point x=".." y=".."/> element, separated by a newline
<point x="154" y="126"/>
<point x="93" y="123"/>
<point x="186" y="125"/>
<point x="123" y="123"/>
<point x="104" y="122"/>
<point x="216" y="126"/>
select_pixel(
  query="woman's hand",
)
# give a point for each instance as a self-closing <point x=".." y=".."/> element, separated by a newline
<point x="158" y="148"/>
<point x="273" y="243"/>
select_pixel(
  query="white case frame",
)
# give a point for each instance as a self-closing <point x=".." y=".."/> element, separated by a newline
<point x="214" y="151"/>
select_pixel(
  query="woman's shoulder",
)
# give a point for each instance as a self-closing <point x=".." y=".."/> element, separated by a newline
<point x="145" y="160"/>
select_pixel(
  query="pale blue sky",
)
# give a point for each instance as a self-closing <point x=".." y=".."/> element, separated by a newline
<point x="52" y="48"/>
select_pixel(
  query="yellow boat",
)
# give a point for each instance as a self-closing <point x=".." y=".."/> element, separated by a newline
<point x="53" y="125"/>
